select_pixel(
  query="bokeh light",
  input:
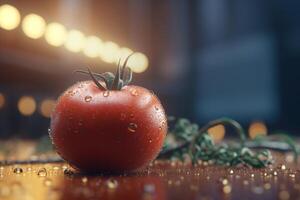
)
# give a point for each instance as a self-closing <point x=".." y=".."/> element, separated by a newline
<point x="75" y="41"/>
<point x="55" y="34"/>
<point x="138" y="62"/>
<point x="217" y="132"/>
<point x="109" y="52"/>
<point x="122" y="54"/>
<point x="257" y="128"/>
<point x="46" y="107"/>
<point x="9" y="17"/>
<point x="33" y="26"/>
<point x="2" y="100"/>
<point x="26" y="105"/>
<point x="93" y="46"/>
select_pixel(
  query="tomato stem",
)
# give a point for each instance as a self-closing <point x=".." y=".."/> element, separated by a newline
<point x="122" y="77"/>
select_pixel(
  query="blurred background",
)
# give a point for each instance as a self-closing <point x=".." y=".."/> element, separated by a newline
<point x="204" y="58"/>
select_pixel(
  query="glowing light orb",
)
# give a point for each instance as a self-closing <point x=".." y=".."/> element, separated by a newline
<point x="55" y="34"/>
<point x="33" y="26"/>
<point x="75" y="41"/>
<point x="9" y="17"/>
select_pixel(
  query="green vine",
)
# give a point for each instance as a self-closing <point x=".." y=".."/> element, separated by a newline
<point x="197" y="144"/>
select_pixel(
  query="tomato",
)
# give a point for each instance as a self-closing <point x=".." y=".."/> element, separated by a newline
<point x="97" y="129"/>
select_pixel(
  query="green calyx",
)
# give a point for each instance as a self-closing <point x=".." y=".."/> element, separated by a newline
<point x="112" y="81"/>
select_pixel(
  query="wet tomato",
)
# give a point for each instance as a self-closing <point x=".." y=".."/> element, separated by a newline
<point x="112" y="128"/>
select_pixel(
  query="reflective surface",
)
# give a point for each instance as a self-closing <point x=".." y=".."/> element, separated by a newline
<point x="161" y="180"/>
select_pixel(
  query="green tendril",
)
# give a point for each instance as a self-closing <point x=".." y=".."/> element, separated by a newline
<point x="197" y="144"/>
<point x="122" y="77"/>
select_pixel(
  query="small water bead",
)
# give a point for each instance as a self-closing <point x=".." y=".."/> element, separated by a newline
<point x="156" y="108"/>
<point x="231" y="172"/>
<point x="132" y="127"/>
<point x="106" y="93"/>
<point x="283" y="167"/>
<point x="275" y="173"/>
<point x="133" y="92"/>
<point x="18" y="170"/>
<point x="88" y="99"/>
<point x="42" y="172"/>
<point x="292" y="175"/>
<point x="112" y="184"/>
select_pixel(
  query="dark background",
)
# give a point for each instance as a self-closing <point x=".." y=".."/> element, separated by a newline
<point x="207" y="58"/>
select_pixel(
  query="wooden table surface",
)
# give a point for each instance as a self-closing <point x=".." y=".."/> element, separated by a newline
<point x="161" y="180"/>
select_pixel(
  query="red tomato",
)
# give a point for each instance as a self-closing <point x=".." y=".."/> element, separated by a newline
<point x="98" y="130"/>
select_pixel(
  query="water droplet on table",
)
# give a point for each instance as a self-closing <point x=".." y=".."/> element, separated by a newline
<point x="111" y="183"/>
<point x="18" y="170"/>
<point x="42" y="172"/>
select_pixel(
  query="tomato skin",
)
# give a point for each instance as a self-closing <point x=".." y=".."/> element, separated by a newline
<point x="108" y="131"/>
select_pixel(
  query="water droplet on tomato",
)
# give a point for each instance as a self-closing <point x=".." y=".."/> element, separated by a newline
<point x="156" y="108"/>
<point x="88" y="98"/>
<point x="49" y="131"/>
<point x="18" y="170"/>
<point x="134" y="92"/>
<point x="132" y="127"/>
<point x="150" y="141"/>
<point x="159" y="128"/>
<point x="131" y="115"/>
<point x="106" y="93"/>
<point x="42" y="172"/>
<point x="111" y="184"/>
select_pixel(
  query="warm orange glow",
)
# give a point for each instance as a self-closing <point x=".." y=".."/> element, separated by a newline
<point x="2" y="100"/>
<point x="75" y="41"/>
<point x="9" y="17"/>
<point x="122" y="54"/>
<point x="46" y="107"/>
<point x="55" y="34"/>
<point x="27" y="105"/>
<point x="257" y="128"/>
<point x="33" y="26"/>
<point x="92" y="47"/>
<point x="138" y="62"/>
<point x="217" y="132"/>
<point x="109" y="52"/>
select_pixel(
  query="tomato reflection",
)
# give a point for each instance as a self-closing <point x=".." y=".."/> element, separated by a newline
<point x="108" y="188"/>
